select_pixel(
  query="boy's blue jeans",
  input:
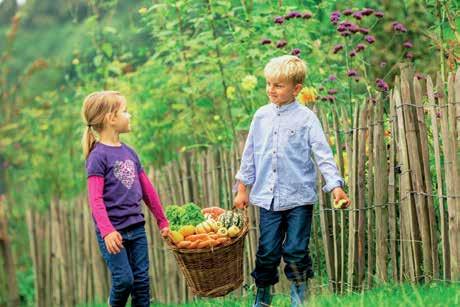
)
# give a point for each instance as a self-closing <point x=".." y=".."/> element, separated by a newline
<point x="284" y="234"/>
<point x="129" y="268"/>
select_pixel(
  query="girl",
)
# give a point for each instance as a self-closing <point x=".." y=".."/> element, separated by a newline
<point x="116" y="185"/>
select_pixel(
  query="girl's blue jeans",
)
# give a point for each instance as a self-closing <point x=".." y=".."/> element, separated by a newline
<point x="284" y="234"/>
<point x="129" y="268"/>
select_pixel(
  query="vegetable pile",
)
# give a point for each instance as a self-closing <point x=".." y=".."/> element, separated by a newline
<point x="195" y="228"/>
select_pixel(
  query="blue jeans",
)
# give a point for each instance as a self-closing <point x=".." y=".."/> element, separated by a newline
<point x="129" y="268"/>
<point x="283" y="234"/>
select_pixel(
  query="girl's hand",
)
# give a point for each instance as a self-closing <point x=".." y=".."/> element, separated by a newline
<point x="340" y="195"/>
<point x="164" y="232"/>
<point x="113" y="242"/>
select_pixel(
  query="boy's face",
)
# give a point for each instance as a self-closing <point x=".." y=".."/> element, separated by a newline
<point x="282" y="91"/>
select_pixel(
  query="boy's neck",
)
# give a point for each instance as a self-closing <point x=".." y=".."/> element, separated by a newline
<point x="285" y="103"/>
<point x="110" y="137"/>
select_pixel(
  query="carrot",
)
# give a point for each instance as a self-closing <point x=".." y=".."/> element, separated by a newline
<point x="193" y="245"/>
<point x="213" y="236"/>
<point x="196" y="237"/>
<point x="213" y="242"/>
<point x="184" y="244"/>
<point x="222" y="240"/>
<point x="204" y="244"/>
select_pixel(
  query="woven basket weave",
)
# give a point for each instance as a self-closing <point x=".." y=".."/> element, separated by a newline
<point x="213" y="272"/>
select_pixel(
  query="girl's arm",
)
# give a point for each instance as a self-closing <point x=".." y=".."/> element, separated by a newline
<point x="96" y="202"/>
<point x="151" y="199"/>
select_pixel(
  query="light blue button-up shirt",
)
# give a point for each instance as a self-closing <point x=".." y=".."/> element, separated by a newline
<point x="277" y="157"/>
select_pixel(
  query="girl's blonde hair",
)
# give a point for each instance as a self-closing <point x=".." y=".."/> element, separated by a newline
<point x="95" y="107"/>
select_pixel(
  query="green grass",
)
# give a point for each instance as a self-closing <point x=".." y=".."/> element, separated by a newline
<point x="435" y="294"/>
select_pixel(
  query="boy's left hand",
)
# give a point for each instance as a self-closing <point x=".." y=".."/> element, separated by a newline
<point x="339" y="194"/>
<point x="164" y="232"/>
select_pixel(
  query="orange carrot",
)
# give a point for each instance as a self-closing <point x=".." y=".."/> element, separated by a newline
<point x="184" y="244"/>
<point x="196" y="237"/>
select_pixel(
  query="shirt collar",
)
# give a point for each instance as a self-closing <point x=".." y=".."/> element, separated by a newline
<point x="285" y="107"/>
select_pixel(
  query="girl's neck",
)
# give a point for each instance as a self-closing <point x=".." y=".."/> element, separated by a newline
<point x="110" y="137"/>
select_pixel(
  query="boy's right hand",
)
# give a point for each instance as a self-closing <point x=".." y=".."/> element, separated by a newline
<point x="241" y="200"/>
<point x="113" y="242"/>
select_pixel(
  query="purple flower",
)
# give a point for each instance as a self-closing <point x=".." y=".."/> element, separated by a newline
<point x="383" y="64"/>
<point x="345" y="34"/>
<point x="324" y="98"/>
<point x="408" y="44"/>
<point x="353" y="28"/>
<point x="360" y="47"/>
<point x="295" y="51"/>
<point x="370" y="39"/>
<point x="307" y="15"/>
<point x="367" y="11"/>
<point x="337" y="48"/>
<point x="357" y="15"/>
<point x="346" y="24"/>
<point x="341" y="28"/>
<point x="352" y="53"/>
<point x="364" y="30"/>
<point x="331" y="98"/>
<point x="332" y="91"/>
<point x="438" y="114"/>
<point x="347" y="12"/>
<point x="335" y="16"/>
<point x="409" y="55"/>
<point x="293" y="14"/>
<point x="379" y="14"/>
<point x="279" y="20"/>
<point x="266" y="41"/>
<point x="398" y="27"/>
<point x="332" y="78"/>
<point x="281" y="43"/>
<point x="352" y="73"/>
<point x="321" y="88"/>
<point x="382" y="85"/>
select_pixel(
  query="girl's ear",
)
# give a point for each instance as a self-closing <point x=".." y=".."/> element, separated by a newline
<point x="109" y="118"/>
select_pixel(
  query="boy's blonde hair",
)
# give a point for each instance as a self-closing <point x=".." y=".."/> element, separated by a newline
<point x="286" y="68"/>
<point x="95" y="107"/>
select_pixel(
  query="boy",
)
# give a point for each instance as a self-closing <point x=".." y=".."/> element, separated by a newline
<point x="277" y="163"/>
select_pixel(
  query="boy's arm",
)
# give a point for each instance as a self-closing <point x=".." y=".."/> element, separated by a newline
<point x="247" y="172"/>
<point x="323" y="156"/>
<point x="152" y="200"/>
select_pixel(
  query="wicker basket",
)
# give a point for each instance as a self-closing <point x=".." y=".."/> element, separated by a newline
<point x="213" y="272"/>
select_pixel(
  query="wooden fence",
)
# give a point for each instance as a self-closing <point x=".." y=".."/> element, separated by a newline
<point x="399" y="156"/>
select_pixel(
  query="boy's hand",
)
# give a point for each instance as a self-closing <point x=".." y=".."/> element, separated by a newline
<point x="113" y="242"/>
<point x="340" y="195"/>
<point x="164" y="232"/>
<point x="241" y="200"/>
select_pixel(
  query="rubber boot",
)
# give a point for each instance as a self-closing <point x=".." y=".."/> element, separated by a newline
<point x="263" y="297"/>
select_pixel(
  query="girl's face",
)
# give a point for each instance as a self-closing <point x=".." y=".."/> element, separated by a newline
<point x="121" y="120"/>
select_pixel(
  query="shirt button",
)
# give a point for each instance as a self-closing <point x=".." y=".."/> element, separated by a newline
<point x="275" y="132"/>
<point x="279" y="114"/>
<point x="274" y="151"/>
<point x="274" y="170"/>
<point x="271" y="189"/>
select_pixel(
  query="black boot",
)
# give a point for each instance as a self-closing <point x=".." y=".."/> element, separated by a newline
<point x="263" y="297"/>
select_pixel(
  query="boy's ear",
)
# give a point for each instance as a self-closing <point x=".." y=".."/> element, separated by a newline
<point x="297" y="88"/>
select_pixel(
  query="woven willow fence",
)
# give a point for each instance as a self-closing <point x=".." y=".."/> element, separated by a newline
<point x="400" y="160"/>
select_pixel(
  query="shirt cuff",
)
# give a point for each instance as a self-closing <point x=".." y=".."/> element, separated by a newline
<point x="332" y="185"/>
